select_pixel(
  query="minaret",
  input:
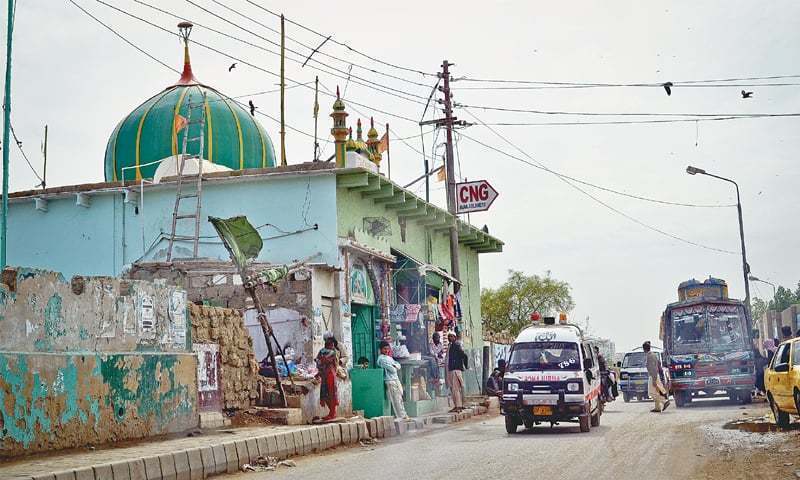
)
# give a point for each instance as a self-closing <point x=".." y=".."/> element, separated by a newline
<point x="187" y="77"/>
<point x="372" y="143"/>
<point x="339" y="130"/>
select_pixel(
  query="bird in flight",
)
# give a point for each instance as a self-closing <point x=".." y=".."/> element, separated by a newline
<point x="747" y="94"/>
<point x="667" y="88"/>
<point x="252" y="108"/>
<point x="233" y="65"/>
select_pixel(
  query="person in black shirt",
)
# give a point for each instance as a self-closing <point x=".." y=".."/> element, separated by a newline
<point x="456" y="364"/>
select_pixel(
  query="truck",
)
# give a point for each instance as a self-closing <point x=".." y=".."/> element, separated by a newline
<point x="708" y="344"/>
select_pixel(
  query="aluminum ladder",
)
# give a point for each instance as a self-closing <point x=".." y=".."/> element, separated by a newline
<point x="184" y="191"/>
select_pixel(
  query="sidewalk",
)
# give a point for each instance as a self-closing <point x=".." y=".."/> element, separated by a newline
<point x="213" y="452"/>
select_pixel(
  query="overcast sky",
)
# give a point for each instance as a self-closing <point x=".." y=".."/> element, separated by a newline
<point x="77" y="77"/>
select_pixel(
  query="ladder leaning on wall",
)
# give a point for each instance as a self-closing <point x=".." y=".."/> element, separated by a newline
<point x="184" y="189"/>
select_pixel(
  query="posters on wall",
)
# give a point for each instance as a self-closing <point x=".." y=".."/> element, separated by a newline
<point x="147" y="314"/>
<point x="177" y="315"/>
<point x="207" y="366"/>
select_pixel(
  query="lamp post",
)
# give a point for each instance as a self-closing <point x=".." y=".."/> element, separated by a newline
<point x="753" y="278"/>
<point x="745" y="267"/>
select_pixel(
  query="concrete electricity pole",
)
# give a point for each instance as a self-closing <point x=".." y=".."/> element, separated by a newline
<point x="451" y="181"/>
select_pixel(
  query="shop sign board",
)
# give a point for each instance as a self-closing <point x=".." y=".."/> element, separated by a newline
<point x="474" y="196"/>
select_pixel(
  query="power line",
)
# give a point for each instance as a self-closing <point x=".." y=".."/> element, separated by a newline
<point x="314" y="49"/>
<point x="358" y="52"/>
<point x="19" y="145"/>
<point x="536" y="164"/>
<point x="625" y="114"/>
<point x="249" y="64"/>
<point x="364" y="82"/>
<point x="636" y="84"/>
<point x="635" y="122"/>
<point x="121" y="37"/>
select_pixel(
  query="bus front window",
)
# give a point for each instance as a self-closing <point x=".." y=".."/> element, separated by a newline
<point x="689" y="328"/>
<point x="726" y="325"/>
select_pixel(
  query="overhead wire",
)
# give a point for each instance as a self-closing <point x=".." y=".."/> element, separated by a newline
<point x="341" y="74"/>
<point x="19" y="146"/>
<point x="244" y="62"/>
<point x="316" y="51"/>
<point x="624" y="114"/>
<point x="333" y="40"/>
<point x="633" y="122"/>
<point x="614" y="209"/>
<point x="635" y="84"/>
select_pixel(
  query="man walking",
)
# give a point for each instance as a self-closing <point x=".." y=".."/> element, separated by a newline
<point x="655" y="387"/>
<point x="393" y="386"/>
<point x="456" y="364"/>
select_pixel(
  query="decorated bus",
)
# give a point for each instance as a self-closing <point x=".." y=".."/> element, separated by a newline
<point x="707" y="343"/>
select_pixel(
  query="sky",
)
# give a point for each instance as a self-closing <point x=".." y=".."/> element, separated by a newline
<point x="74" y="75"/>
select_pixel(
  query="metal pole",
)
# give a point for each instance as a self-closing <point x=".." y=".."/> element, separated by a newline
<point x="6" y="133"/>
<point x="388" y="155"/>
<point x="745" y="266"/>
<point x="44" y="171"/>
<point x="316" y="114"/>
<point x="451" y="185"/>
<point x="283" y="92"/>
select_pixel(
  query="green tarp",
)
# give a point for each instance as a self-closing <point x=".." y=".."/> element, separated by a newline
<point x="240" y="237"/>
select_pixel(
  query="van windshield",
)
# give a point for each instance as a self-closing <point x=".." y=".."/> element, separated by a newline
<point x="544" y="356"/>
<point x="634" y="360"/>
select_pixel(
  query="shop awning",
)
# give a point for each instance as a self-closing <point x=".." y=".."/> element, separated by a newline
<point x="425" y="268"/>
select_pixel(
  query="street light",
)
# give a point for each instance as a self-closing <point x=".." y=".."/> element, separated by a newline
<point x="745" y="267"/>
<point x="753" y="278"/>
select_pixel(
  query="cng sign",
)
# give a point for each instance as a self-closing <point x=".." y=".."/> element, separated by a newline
<point x="474" y="196"/>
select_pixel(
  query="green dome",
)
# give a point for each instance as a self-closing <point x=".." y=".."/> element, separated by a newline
<point x="233" y="138"/>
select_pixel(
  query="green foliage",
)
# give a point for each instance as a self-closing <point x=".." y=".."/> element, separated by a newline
<point x="784" y="298"/>
<point x="508" y="308"/>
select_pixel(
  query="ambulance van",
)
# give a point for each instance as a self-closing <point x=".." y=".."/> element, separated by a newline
<point x="551" y="376"/>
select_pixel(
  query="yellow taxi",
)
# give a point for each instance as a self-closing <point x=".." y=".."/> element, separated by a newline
<point x="782" y="379"/>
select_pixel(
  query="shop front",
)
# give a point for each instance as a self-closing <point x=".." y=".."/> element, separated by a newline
<point x="422" y="311"/>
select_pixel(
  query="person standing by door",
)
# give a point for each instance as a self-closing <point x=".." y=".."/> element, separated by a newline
<point x="456" y="364"/>
<point x="394" y="388"/>
<point x="655" y="385"/>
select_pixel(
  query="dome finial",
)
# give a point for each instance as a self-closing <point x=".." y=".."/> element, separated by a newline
<point x="187" y="77"/>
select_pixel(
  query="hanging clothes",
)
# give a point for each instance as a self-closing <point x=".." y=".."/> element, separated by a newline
<point x="457" y="305"/>
<point x="412" y="313"/>
<point x="397" y="314"/>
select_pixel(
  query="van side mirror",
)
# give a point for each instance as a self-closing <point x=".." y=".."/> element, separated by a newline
<point x="781" y="368"/>
<point x="589" y="375"/>
<point x="619" y="364"/>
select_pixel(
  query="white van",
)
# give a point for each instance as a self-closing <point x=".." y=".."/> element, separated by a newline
<point x="551" y="376"/>
<point x="633" y="377"/>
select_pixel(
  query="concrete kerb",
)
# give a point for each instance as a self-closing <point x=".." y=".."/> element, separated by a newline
<point x="228" y="457"/>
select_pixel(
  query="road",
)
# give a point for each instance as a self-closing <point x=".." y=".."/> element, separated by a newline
<point x="631" y="442"/>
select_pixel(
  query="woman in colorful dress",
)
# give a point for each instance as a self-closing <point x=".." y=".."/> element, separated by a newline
<point x="327" y="365"/>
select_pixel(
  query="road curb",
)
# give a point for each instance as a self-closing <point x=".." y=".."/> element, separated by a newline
<point x="228" y="457"/>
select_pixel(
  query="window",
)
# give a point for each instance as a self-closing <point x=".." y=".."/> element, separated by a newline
<point x="781" y="356"/>
<point x="725" y="325"/>
<point x="689" y="328"/>
<point x="796" y="353"/>
<point x="544" y="356"/>
<point x="634" y="360"/>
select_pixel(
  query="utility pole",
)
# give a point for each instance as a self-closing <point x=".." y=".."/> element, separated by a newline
<point x="44" y="152"/>
<point x="283" y="93"/>
<point x="451" y="181"/>
<point x="6" y="133"/>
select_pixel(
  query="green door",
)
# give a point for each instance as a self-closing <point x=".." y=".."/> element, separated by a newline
<point x="363" y="334"/>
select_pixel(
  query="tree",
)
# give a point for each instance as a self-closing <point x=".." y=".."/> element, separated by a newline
<point x="759" y="308"/>
<point x="783" y="299"/>
<point x="509" y="307"/>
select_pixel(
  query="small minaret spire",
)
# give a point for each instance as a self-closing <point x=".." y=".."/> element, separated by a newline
<point x="372" y="143"/>
<point x="339" y="130"/>
<point x="187" y="77"/>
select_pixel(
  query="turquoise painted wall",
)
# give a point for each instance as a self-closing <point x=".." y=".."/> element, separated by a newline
<point x="102" y="239"/>
<point x="54" y="401"/>
<point x="423" y="244"/>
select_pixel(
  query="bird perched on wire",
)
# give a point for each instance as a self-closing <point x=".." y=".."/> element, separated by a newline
<point x="747" y="94"/>
<point x="667" y="88"/>
<point x="233" y="65"/>
<point x="252" y="108"/>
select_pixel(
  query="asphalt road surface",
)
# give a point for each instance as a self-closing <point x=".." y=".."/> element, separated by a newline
<point x="630" y="443"/>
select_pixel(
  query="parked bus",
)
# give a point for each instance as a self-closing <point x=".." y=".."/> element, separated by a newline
<point x="708" y="344"/>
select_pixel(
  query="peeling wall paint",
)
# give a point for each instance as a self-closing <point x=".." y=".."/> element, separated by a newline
<point x="53" y="401"/>
<point x="43" y="312"/>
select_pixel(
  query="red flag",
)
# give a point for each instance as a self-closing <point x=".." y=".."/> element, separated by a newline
<point x="383" y="144"/>
<point x="180" y="122"/>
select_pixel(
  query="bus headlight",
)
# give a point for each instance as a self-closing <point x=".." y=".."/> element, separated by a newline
<point x="512" y="387"/>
